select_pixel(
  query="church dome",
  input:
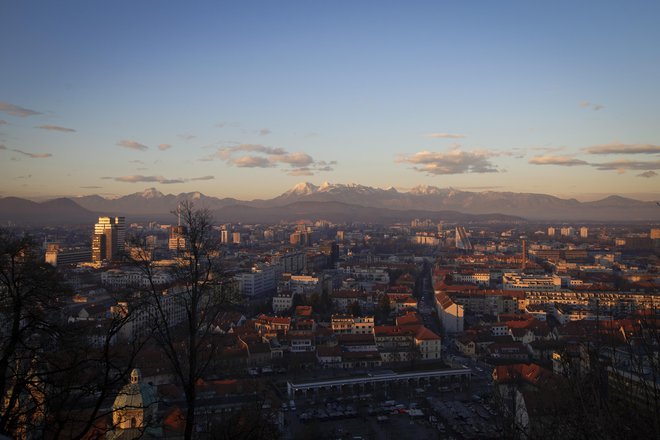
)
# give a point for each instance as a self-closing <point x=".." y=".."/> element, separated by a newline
<point x="135" y="394"/>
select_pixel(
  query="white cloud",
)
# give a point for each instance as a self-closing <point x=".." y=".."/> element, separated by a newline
<point x="137" y="178"/>
<point x="593" y="106"/>
<point x="251" y="162"/>
<point x="163" y="147"/>
<point x="565" y="161"/>
<point x="34" y="155"/>
<point x="621" y="166"/>
<point x="270" y="157"/>
<point x="445" y="136"/>
<point x="454" y="161"/>
<point x="294" y="159"/>
<point x="133" y="145"/>
<point x="619" y="148"/>
<point x="56" y="128"/>
<point x="15" y="110"/>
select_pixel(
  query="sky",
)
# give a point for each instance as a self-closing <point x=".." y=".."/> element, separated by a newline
<point x="245" y="99"/>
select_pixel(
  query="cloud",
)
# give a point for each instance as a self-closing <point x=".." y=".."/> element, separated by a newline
<point x="619" y="148"/>
<point x="33" y="155"/>
<point x="251" y="162"/>
<point x="133" y="145"/>
<point x="227" y="124"/>
<point x="187" y="136"/>
<point x="3" y="122"/>
<point x="2" y="147"/>
<point x="565" y="161"/>
<point x="270" y="157"/>
<point x="264" y="132"/>
<point x="445" y="136"/>
<point x="647" y="174"/>
<point x="15" y="110"/>
<point x="548" y="149"/>
<point x="55" y="128"/>
<point x="294" y="159"/>
<point x="301" y="172"/>
<point x="163" y="147"/>
<point x="137" y="178"/>
<point x="454" y="161"/>
<point x="593" y="106"/>
<point x="91" y="187"/>
<point x="621" y="166"/>
<point x="256" y="148"/>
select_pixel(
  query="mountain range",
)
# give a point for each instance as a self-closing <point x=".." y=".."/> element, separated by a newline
<point x="348" y="202"/>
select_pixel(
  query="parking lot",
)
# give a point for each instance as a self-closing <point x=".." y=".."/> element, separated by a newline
<point x="393" y="413"/>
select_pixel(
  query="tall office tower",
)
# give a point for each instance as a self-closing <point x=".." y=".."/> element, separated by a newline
<point x="236" y="237"/>
<point x="108" y="239"/>
<point x="584" y="232"/>
<point x="523" y="265"/>
<point x="654" y="234"/>
<point x="567" y="231"/>
<point x="225" y="236"/>
<point x="551" y="231"/>
<point x="177" y="240"/>
<point x="462" y="239"/>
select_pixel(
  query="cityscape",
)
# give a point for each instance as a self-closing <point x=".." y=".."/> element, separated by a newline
<point x="344" y="221"/>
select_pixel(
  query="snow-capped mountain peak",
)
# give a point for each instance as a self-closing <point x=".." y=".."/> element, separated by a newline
<point x="151" y="193"/>
<point x="302" y="189"/>
<point x="425" y="190"/>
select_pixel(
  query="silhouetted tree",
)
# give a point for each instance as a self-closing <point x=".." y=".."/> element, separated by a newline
<point x="53" y="379"/>
<point x="28" y="292"/>
<point x="198" y="291"/>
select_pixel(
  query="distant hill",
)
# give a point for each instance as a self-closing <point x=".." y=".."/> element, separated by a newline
<point x="421" y="198"/>
<point x="57" y="211"/>
<point x="338" y="203"/>
<point x="339" y="212"/>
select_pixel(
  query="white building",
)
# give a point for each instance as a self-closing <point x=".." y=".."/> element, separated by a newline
<point x="516" y="281"/>
<point x="449" y="313"/>
<point x="282" y="301"/>
<point x="260" y="280"/>
<point x="118" y="278"/>
<point x="481" y="278"/>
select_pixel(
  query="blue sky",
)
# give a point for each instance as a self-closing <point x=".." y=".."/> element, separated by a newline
<point x="245" y="99"/>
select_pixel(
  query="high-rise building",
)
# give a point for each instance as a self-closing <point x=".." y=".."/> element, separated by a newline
<point x="462" y="239"/>
<point x="584" y="232"/>
<point x="551" y="231"/>
<point x="567" y="231"/>
<point x="108" y="239"/>
<point x="177" y="240"/>
<point x="225" y="236"/>
<point x="655" y="234"/>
